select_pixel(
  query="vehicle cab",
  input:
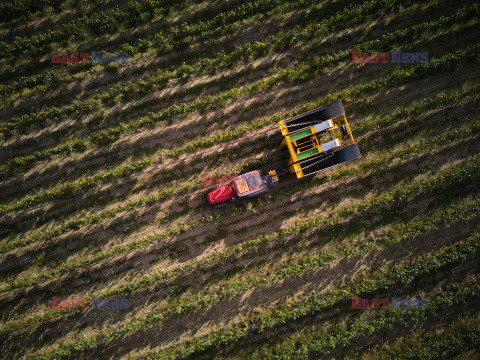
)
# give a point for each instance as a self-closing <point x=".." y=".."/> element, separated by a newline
<point x="243" y="186"/>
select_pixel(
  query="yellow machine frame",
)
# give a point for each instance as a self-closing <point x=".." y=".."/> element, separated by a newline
<point x="307" y="143"/>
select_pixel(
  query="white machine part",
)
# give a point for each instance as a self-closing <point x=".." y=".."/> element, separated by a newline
<point x="330" y="145"/>
<point x="323" y="126"/>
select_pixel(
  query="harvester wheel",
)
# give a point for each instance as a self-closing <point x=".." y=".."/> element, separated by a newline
<point x="348" y="153"/>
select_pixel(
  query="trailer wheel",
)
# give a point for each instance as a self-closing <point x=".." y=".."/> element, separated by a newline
<point x="348" y="153"/>
<point x="332" y="110"/>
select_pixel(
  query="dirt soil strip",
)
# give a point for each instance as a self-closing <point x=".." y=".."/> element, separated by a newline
<point x="407" y="251"/>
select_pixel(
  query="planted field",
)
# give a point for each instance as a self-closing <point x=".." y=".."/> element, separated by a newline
<point x="108" y="249"/>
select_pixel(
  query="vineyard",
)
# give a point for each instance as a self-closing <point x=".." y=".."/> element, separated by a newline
<point x="108" y="248"/>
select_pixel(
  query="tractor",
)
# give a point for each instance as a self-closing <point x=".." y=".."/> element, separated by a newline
<point x="313" y="141"/>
